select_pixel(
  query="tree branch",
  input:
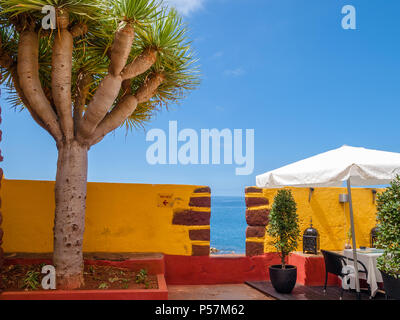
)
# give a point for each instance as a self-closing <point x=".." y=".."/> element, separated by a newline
<point x="34" y="115"/>
<point x="110" y="86"/>
<point x="98" y="107"/>
<point x="121" y="49"/>
<point x="28" y="74"/>
<point x="61" y="74"/>
<point x="126" y="107"/>
<point x="149" y="88"/>
<point x="8" y="63"/>
<point x="115" y="118"/>
<point x="5" y="59"/>
<point x="82" y="92"/>
<point x="140" y="65"/>
<point x="126" y="87"/>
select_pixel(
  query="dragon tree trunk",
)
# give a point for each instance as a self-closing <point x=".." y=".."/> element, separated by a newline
<point x="69" y="222"/>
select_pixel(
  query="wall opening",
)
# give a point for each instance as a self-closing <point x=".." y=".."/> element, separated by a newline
<point x="228" y="224"/>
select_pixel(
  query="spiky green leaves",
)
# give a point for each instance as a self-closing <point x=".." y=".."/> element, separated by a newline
<point x="157" y="30"/>
<point x="168" y="35"/>
<point x="77" y="8"/>
<point x="138" y="12"/>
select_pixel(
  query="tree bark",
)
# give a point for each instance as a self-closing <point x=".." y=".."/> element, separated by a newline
<point x="69" y="222"/>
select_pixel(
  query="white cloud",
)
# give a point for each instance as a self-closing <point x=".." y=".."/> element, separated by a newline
<point x="186" y="6"/>
<point x="235" y="72"/>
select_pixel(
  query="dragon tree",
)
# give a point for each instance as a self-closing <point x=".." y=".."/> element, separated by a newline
<point x="103" y="64"/>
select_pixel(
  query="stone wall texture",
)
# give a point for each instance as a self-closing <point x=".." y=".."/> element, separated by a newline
<point x="197" y="218"/>
<point x="257" y="217"/>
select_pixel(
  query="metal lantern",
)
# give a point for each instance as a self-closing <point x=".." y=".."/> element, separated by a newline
<point x="311" y="240"/>
<point x="374" y="236"/>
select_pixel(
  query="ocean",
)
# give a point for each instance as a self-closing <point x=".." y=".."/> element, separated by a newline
<point x="228" y="224"/>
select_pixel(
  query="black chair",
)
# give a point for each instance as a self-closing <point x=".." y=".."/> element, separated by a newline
<point x="392" y="288"/>
<point x="334" y="264"/>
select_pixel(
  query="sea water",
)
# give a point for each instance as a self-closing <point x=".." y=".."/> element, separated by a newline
<point x="228" y="224"/>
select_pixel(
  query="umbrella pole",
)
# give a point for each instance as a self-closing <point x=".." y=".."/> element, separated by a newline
<point x="353" y="235"/>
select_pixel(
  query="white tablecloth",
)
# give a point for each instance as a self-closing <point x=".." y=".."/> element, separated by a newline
<point x="368" y="258"/>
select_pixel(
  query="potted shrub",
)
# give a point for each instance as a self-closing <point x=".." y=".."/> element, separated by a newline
<point x="284" y="229"/>
<point x="388" y="205"/>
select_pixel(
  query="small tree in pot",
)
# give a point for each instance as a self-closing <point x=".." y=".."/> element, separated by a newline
<point x="284" y="229"/>
<point x="388" y="205"/>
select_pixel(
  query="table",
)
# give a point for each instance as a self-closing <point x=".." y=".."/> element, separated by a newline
<point x="369" y="258"/>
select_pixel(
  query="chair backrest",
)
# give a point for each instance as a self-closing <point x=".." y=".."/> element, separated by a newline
<point x="334" y="262"/>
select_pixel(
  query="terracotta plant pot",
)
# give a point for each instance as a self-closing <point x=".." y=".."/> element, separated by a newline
<point x="283" y="280"/>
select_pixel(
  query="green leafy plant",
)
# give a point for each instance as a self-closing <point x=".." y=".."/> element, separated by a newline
<point x="103" y="285"/>
<point x="142" y="277"/>
<point x="284" y="224"/>
<point x="31" y="280"/>
<point x="388" y="216"/>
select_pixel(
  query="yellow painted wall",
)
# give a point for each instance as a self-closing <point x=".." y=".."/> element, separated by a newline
<point x="119" y="218"/>
<point x="127" y="217"/>
<point x="330" y="217"/>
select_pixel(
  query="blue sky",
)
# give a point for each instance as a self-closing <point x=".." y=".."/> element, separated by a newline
<point x="284" y="68"/>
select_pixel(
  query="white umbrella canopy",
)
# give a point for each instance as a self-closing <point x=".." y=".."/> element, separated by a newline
<point x="357" y="166"/>
<point x="330" y="169"/>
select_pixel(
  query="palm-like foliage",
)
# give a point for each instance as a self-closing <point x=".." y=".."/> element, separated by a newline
<point x="155" y="27"/>
<point x="140" y="12"/>
<point x="84" y="8"/>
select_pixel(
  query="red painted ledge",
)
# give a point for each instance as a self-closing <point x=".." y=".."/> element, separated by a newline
<point x="152" y="294"/>
<point x="218" y="269"/>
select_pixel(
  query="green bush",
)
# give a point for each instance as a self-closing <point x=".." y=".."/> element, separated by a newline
<point x="388" y="216"/>
<point x="284" y="224"/>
